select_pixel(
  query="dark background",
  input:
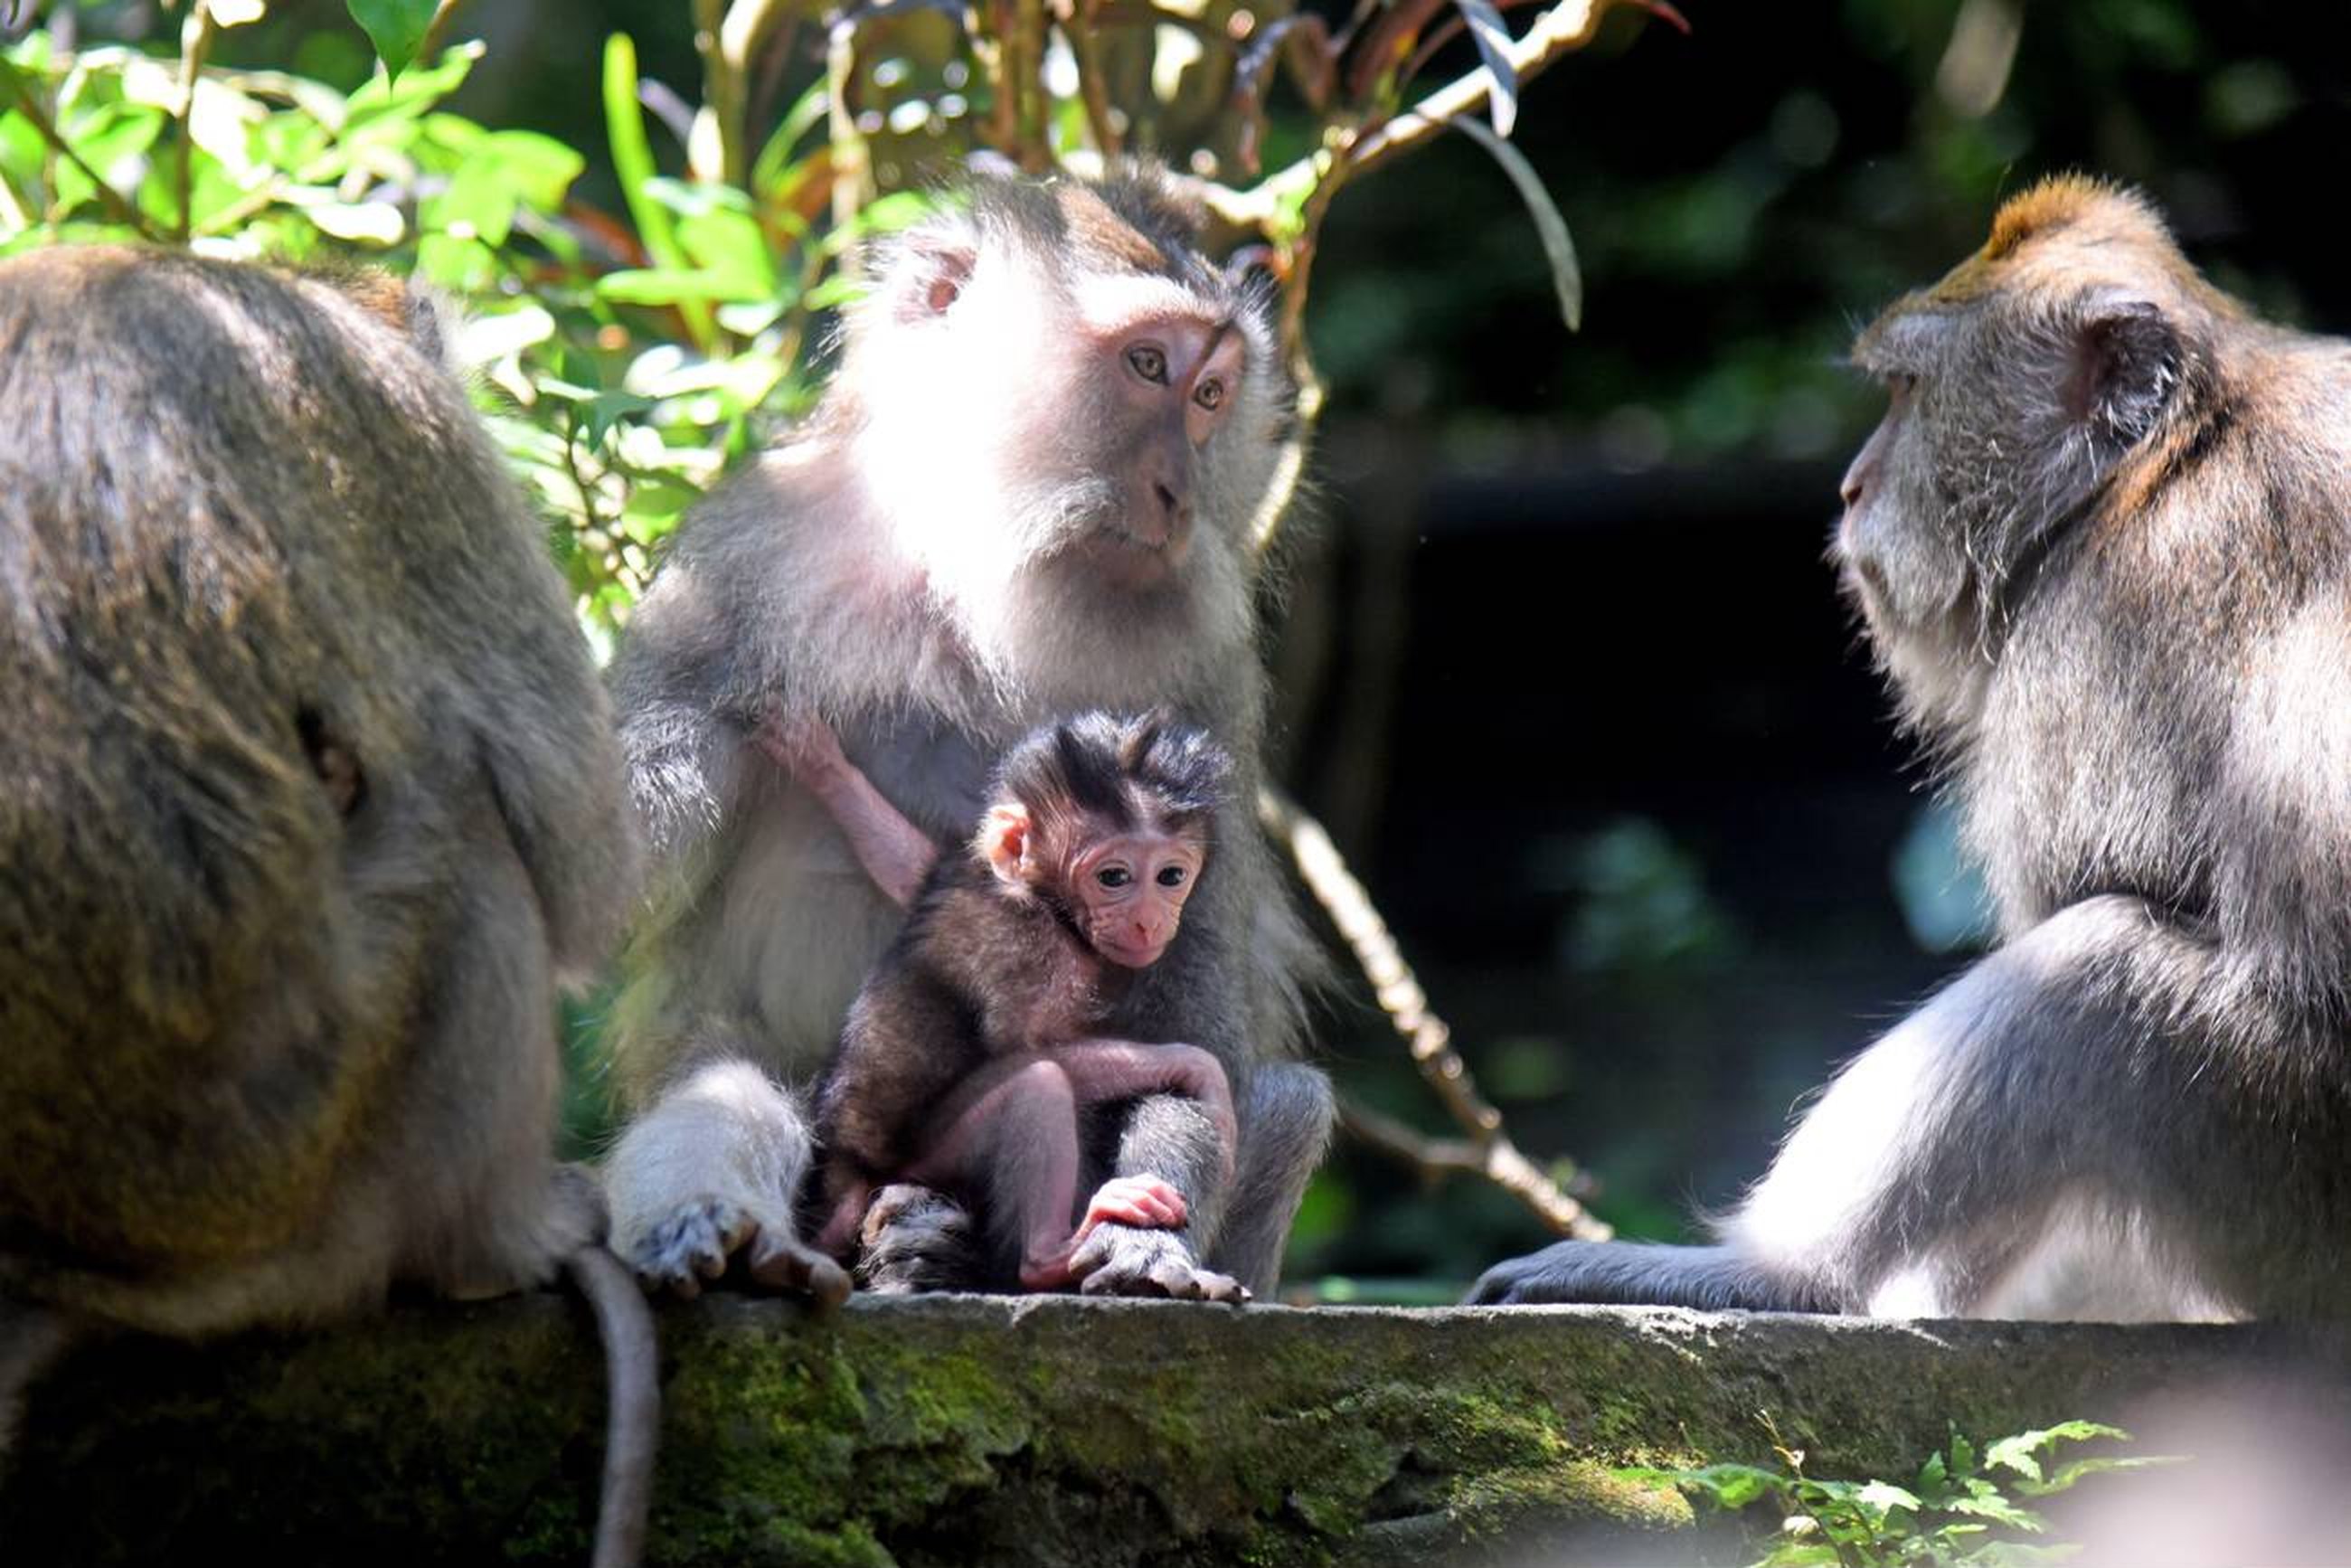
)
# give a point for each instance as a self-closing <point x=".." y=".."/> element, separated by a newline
<point x="1563" y="667"/>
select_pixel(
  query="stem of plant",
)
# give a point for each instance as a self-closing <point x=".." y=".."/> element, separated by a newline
<point x="196" y="36"/>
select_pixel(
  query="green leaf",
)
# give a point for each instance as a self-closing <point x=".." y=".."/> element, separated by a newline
<point x="455" y="262"/>
<point x="681" y="287"/>
<point x="2020" y="1453"/>
<point x="1566" y="278"/>
<point x="1997" y="1509"/>
<point x="1493" y="37"/>
<point x="1732" y="1486"/>
<point x="395" y="27"/>
<point x="538" y="169"/>
<point x="632" y="161"/>
<point x="408" y="98"/>
<point x="776" y="157"/>
<point x="1886" y="1497"/>
<point x="607" y="409"/>
<point x="366" y="222"/>
<point x="478" y="204"/>
<point x="2016" y="1554"/>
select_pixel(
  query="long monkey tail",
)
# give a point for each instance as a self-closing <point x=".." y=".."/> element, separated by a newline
<point x="632" y="1409"/>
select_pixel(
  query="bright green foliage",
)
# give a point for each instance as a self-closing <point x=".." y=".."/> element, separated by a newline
<point x="396" y="28"/>
<point x="1962" y="1511"/>
<point x="621" y="384"/>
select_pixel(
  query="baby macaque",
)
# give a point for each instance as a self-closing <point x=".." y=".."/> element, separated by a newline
<point x="993" y="1023"/>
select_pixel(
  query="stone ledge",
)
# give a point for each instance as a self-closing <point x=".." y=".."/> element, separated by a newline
<point x="970" y="1430"/>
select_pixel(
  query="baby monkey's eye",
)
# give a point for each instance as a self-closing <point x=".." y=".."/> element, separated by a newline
<point x="1113" y="876"/>
<point x="1148" y="362"/>
<point x="1171" y="877"/>
<point x="1209" y="394"/>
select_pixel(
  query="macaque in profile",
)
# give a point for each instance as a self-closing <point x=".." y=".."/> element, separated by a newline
<point x="993" y="1025"/>
<point x="2101" y="545"/>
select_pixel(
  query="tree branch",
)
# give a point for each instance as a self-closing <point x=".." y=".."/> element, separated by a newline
<point x="1425" y="1035"/>
<point x="1561" y="30"/>
<point x="117" y="207"/>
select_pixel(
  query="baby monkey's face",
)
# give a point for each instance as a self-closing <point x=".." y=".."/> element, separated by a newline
<point x="1128" y="890"/>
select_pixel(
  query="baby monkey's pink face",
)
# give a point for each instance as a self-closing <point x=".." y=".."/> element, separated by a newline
<point x="1129" y="891"/>
<point x="1124" y="887"/>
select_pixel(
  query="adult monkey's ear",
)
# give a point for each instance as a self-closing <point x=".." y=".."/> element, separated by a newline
<point x="1004" y="840"/>
<point x="929" y="268"/>
<point x="2128" y="357"/>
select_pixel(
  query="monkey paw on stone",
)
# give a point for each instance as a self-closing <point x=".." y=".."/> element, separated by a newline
<point x="918" y="1239"/>
<point x="692" y="1246"/>
<point x="1544" y="1276"/>
<point x="1120" y="1261"/>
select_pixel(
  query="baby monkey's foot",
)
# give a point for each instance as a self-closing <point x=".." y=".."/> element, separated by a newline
<point x="1144" y="1202"/>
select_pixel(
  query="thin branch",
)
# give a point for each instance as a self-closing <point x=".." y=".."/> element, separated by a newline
<point x="1425" y="1035"/>
<point x="1434" y="1158"/>
<point x="1025" y="63"/>
<point x="196" y="36"/>
<point x="1387" y="42"/>
<point x="429" y="45"/>
<point x="728" y="38"/>
<point x="1289" y="467"/>
<point x="1305" y="40"/>
<point x="1078" y="25"/>
<point x="852" y="166"/>
<point x="117" y="207"/>
<point x="722" y="100"/>
<point x="1559" y="31"/>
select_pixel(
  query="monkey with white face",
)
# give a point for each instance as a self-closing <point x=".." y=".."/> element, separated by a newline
<point x="1028" y="493"/>
<point x="2103" y="546"/>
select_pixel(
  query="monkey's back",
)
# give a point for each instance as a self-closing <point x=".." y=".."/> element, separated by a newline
<point x="243" y="542"/>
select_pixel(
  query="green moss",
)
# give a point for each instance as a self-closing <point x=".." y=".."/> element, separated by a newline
<point x="917" y="1435"/>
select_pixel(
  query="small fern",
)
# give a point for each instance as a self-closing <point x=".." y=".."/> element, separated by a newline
<point x="1963" y="1509"/>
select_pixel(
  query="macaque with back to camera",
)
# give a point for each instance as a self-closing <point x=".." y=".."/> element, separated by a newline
<point x="2102" y="546"/>
<point x="992" y="1026"/>
<point x="307" y="795"/>
<point x="1028" y="492"/>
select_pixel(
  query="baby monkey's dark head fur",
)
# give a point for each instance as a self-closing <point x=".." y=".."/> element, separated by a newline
<point x="1130" y="772"/>
<point x="1106" y="819"/>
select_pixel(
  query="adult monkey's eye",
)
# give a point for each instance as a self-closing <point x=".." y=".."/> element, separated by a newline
<point x="1209" y="393"/>
<point x="1171" y="877"/>
<point x="1113" y="876"/>
<point x="1148" y="362"/>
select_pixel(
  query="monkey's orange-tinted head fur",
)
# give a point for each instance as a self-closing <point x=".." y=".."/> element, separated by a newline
<point x="2065" y="223"/>
<point x="2049" y="379"/>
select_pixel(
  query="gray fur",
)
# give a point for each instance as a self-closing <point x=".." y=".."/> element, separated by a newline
<point x="880" y="571"/>
<point x="2103" y="548"/>
<point x="265" y="1056"/>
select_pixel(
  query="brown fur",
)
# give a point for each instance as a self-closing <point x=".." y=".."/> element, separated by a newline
<point x="306" y="795"/>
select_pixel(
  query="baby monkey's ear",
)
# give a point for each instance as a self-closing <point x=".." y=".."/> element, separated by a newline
<point x="1004" y="838"/>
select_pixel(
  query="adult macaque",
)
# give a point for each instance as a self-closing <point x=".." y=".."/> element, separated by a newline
<point x="1002" y="1014"/>
<point x="2103" y="544"/>
<point x="308" y="794"/>
<point x="1026" y="494"/>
